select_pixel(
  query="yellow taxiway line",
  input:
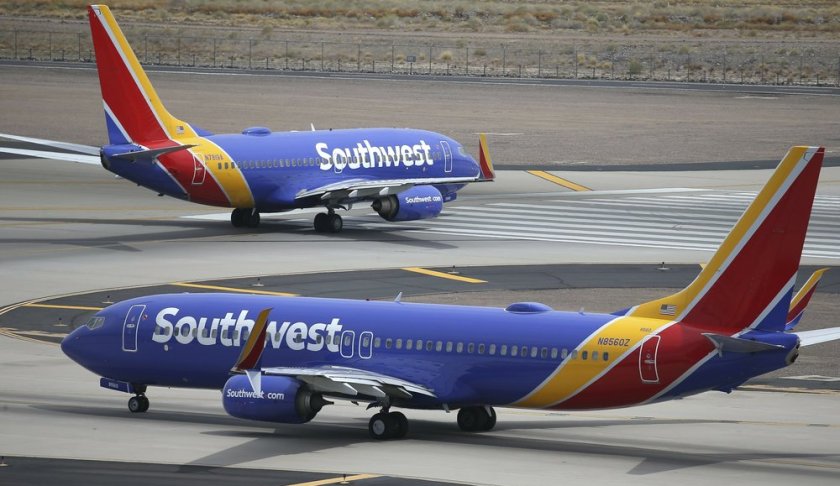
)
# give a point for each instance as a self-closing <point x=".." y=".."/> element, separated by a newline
<point x="232" y="289"/>
<point x="55" y="306"/>
<point x="558" y="180"/>
<point x="432" y="273"/>
<point x="341" y="480"/>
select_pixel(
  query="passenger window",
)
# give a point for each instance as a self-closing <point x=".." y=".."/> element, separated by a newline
<point x="606" y="356"/>
<point x="377" y="342"/>
<point x="459" y="348"/>
<point x="471" y="348"/>
<point x="388" y="343"/>
<point x="544" y="353"/>
<point x="584" y="354"/>
<point x="220" y="166"/>
<point x="365" y="341"/>
<point x="594" y="355"/>
<point x="553" y="353"/>
<point x="347" y="340"/>
<point x="514" y="351"/>
<point x="213" y="333"/>
<point x="534" y="351"/>
<point x="439" y="346"/>
<point x="448" y="346"/>
<point x="491" y="350"/>
<point x="574" y="354"/>
<point x="429" y="345"/>
<point x="564" y="354"/>
<point x="185" y="331"/>
<point x="226" y="165"/>
<point x="409" y="344"/>
<point x="503" y="350"/>
<point x="481" y="348"/>
<point x="523" y="352"/>
<point x="418" y="345"/>
<point x="399" y="344"/>
<point x="236" y="334"/>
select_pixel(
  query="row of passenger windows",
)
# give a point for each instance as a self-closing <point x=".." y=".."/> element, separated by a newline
<point x="277" y="163"/>
<point x="482" y="348"/>
<point x="429" y="345"/>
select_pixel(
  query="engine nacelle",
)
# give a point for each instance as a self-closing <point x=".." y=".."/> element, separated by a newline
<point x="420" y="202"/>
<point x="282" y="400"/>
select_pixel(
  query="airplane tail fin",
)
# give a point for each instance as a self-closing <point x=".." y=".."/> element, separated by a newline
<point x="487" y="172"/>
<point x="133" y="111"/>
<point x="802" y="298"/>
<point x="748" y="282"/>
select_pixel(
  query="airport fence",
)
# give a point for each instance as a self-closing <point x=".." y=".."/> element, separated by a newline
<point x="747" y="62"/>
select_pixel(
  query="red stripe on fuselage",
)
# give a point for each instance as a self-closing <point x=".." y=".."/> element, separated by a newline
<point x="680" y="348"/>
<point x="181" y="165"/>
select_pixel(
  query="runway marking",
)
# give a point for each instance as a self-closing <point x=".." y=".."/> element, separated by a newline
<point x="341" y="480"/>
<point x="433" y="273"/>
<point x="558" y="180"/>
<point x="11" y="334"/>
<point x="55" y="306"/>
<point x="232" y="289"/>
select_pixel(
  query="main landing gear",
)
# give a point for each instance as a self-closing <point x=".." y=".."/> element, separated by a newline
<point x="476" y="419"/>
<point x="388" y="425"/>
<point x="328" y="222"/>
<point x="249" y="217"/>
<point x="393" y="425"/>
<point x="138" y="403"/>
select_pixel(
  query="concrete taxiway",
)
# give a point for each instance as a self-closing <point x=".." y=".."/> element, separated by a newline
<point x="68" y="229"/>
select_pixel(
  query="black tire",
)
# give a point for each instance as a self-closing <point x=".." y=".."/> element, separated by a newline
<point x="491" y="419"/>
<point x="145" y="403"/>
<point x="381" y="426"/>
<point x="320" y="222"/>
<point x="472" y="419"/>
<point x="335" y="223"/>
<point x="252" y="218"/>
<point x="402" y="424"/>
<point x="237" y="218"/>
<point x="135" y="404"/>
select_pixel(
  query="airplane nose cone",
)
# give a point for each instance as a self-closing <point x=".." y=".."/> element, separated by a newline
<point x="70" y="345"/>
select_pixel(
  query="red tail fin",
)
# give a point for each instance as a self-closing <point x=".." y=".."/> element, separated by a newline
<point x="749" y="281"/>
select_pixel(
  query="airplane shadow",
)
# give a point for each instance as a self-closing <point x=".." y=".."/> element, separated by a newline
<point x="192" y="229"/>
<point x="289" y="439"/>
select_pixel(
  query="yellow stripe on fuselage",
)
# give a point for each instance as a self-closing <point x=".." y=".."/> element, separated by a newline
<point x="225" y="171"/>
<point x="574" y="374"/>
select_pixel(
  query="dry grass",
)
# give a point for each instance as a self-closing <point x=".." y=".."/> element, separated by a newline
<point x="752" y="18"/>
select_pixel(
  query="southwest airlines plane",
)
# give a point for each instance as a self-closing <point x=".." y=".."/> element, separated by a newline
<point x="281" y="359"/>
<point x="405" y="174"/>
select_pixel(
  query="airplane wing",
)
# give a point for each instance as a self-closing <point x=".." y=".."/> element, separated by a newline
<point x="360" y="188"/>
<point x="84" y="154"/>
<point x="809" y="338"/>
<point x="344" y="381"/>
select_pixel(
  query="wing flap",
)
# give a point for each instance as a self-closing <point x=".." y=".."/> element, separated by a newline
<point x="351" y="381"/>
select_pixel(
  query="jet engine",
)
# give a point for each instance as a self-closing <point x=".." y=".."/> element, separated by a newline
<point x="419" y="202"/>
<point x="281" y="399"/>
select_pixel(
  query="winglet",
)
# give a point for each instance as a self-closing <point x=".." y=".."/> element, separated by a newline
<point x="802" y="298"/>
<point x="748" y="282"/>
<point x="487" y="172"/>
<point x="252" y="349"/>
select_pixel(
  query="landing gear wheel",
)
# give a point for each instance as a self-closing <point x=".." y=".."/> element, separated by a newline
<point x="321" y="222"/>
<point x="402" y="424"/>
<point x="382" y="426"/>
<point x="335" y="223"/>
<point x="138" y="404"/>
<point x="476" y="419"/>
<point x="237" y="217"/>
<point x="252" y="218"/>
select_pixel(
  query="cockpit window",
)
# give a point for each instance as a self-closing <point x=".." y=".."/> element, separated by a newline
<point x="95" y="322"/>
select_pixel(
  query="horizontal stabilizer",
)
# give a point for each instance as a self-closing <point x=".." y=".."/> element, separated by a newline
<point x="808" y="338"/>
<point x="152" y="153"/>
<point x="738" y="345"/>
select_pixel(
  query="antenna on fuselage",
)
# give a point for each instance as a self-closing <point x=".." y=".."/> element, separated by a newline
<point x="312" y="126"/>
<point x="398" y="298"/>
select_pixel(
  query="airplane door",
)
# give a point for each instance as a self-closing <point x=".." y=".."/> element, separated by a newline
<point x="348" y="339"/>
<point x="130" y="327"/>
<point x="199" y="171"/>
<point x="647" y="360"/>
<point x="447" y="156"/>
<point x="365" y="345"/>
